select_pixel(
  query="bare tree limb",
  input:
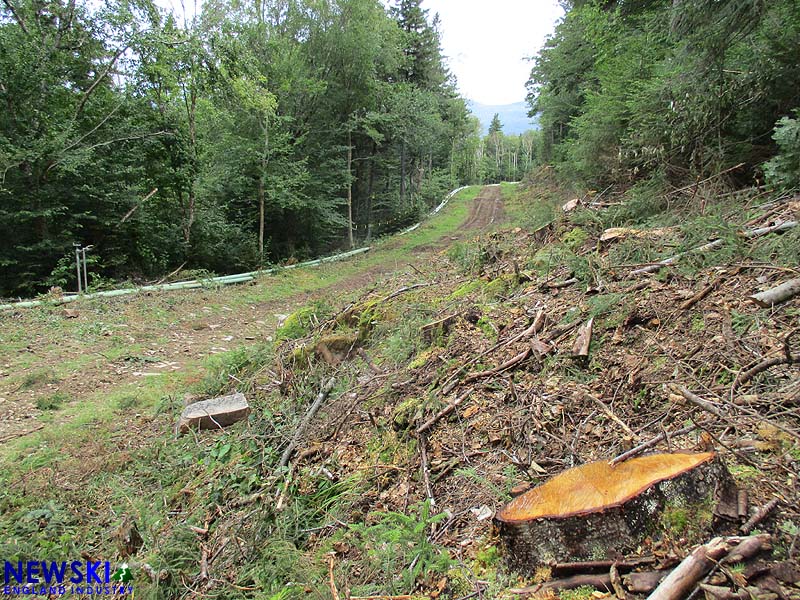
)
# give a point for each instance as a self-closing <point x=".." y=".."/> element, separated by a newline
<point x="20" y="21"/>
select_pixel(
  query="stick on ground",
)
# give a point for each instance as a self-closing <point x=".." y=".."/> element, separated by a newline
<point x="323" y="394"/>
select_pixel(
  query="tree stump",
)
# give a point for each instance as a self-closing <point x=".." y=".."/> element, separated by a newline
<point x="598" y="511"/>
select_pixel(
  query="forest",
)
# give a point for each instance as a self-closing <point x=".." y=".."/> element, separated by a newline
<point x="662" y="92"/>
<point x="247" y="135"/>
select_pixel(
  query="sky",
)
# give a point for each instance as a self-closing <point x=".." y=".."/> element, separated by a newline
<point x="487" y="43"/>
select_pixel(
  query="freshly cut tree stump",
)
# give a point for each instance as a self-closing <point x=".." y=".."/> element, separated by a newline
<point x="599" y="511"/>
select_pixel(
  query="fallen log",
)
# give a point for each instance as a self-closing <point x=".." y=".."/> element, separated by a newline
<point x="597" y="510"/>
<point x="776" y="295"/>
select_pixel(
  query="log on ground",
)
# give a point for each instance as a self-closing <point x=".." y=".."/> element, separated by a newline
<point x="598" y="511"/>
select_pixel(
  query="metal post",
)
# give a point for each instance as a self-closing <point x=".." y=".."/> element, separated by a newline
<point x="78" y="264"/>
<point x="85" y="274"/>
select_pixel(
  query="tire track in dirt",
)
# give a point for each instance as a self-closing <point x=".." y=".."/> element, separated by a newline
<point x="487" y="209"/>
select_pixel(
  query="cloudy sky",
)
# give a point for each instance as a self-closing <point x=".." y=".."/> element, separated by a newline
<point x="487" y="42"/>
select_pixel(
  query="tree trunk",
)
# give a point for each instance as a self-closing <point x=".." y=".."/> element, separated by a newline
<point x="597" y="511"/>
<point x="350" y="188"/>
<point x="403" y="174"/>
<point x="370" y="191"/>
<point x="262" y="182"/>
<point x="261" y="219"/>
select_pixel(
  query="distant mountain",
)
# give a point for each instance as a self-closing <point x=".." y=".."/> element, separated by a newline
<point x="514" y="117"/>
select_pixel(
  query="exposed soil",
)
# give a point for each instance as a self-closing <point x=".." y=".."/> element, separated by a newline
<point x="486" y="210"/>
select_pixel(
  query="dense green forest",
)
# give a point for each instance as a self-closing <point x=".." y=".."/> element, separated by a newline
<point x="269" y="130"/>
<point x="670" y="91"/>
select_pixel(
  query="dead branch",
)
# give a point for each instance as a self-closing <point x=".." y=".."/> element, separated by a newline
<point x="718" y="592"/>
<point x="706" y="180"/>
<point x="707" y="406"/>
<point x="423" y="459"/>
<point x="403" y="290"/>
<point x="97" y="81"/>
<point x="510" y="363"/>
<point x="644" y="582"/>
<point x="443" y="413"/>
<point x="137" y="205"/>
<point x="759" y="515"/>
<point x="535" y="327"/>
<point x="401" y="597"/>
<point x="611" y="415"/>
<point x="649" y="444"/>
<point x="713" y="245"/>
<point x="323" y="394"/>
<point x="778" y="294"/>
<point x="600" y="565"/>
<point x="22" y="433"/>
<point x="765" y="364"/>
<point x="331" y="580"/>
<point x="701" y="294"/>
<point x="704" y="558"/>
<point x="748" y="548"/>
<point x="600" y="581"/>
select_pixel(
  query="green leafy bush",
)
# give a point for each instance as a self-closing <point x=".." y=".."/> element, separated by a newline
<point x="784" y="170"/>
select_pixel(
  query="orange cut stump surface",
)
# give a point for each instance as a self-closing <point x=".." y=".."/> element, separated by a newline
<point x="596" y="486"/>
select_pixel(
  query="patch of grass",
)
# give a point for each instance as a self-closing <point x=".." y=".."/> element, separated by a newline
<point x="38" y="378"/>
<point x="584" y="592"/>
<point x="233" y="370"/>
<point x="52" y="402"/>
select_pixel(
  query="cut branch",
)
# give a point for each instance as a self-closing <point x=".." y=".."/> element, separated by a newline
<point x="443" y="413"/>
<point x="760" y="515"/>
<point x="323" y="394"/>
<point x="713" y="245"/>
<point x="768" y="363"/>
<point x="704" y="558"/>
<point x="778" y="294"/>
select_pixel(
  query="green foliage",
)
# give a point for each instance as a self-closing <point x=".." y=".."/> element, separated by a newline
<point x="625" y="90"/>
<point x="52" y="402"/>
<point x="225" y="143"/>
<point x="398" y="545"/>
<point x="784" y="170"/>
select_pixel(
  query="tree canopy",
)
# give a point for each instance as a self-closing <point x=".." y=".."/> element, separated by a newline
<point x="626" y="89"/>
<point x="269" y="130"/>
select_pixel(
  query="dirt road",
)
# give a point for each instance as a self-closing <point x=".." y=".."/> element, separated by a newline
<point x="486" y="210"/>
<point x="52" y="359"/>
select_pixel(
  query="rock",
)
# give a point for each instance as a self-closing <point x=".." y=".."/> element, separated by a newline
<point x="215" y="413"/>
<point x="597" y="511"/>
<point x="571" y="205"/>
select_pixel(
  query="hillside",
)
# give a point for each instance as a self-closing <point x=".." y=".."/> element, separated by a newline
<point x="452" y="376"/>
<point x="514" y="117"/>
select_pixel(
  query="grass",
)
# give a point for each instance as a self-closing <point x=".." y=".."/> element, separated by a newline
<point x="116" y="445"/>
